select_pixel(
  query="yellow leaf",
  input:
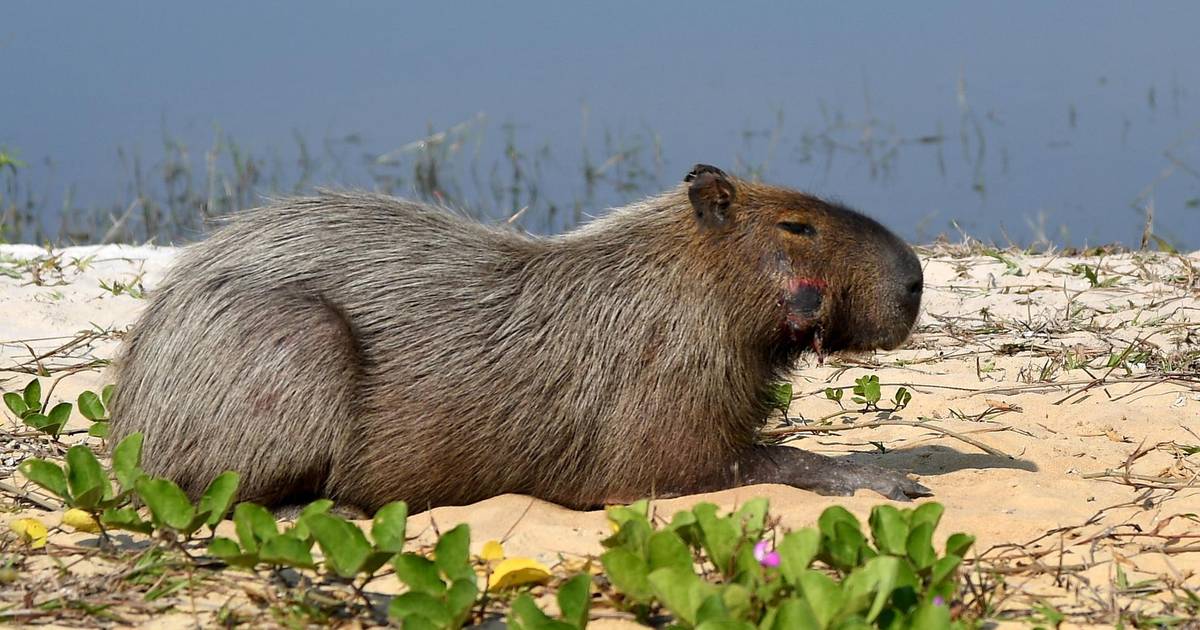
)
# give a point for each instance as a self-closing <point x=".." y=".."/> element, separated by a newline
<point x="517" y="572"/>
<point x="31" y="531"/>
<point x="492" y="550"/>
<point x="81" y="521"/>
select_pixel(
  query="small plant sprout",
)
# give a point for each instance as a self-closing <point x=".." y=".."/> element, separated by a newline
<point x="95" y="408"/>
<point x="866" y="391"/>
<point x="780" y="396"/>
<point x="81" y="483"/>
<point x="835" y="395"/>
<point x="28" y="407"/>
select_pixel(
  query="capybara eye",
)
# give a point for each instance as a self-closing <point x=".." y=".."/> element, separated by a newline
<point x="803" y="229"/>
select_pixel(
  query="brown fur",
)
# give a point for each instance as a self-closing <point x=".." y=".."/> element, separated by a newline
<point x="369" y="349"/>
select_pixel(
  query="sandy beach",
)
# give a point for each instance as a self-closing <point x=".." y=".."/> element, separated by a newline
<point x="1055" y="412"/>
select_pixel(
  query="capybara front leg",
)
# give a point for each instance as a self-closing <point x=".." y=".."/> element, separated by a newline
<point x="823" y="475"/>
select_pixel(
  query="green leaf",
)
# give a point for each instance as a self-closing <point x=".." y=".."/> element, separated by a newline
<point x="883" y="572"/>
<point x="889" y="529"/>
<point x="941" y="577"/>
<point x="666" y="549"/>
<point x="32" y="395"/>
<point x="127" y="460"/>
<point x="254" y="525"/>
<point x="958" y="544"/>
<point x="823" y="595"/>
<point x="288" y="551"/>
<point x="525" y="615"/>
<point x="127" y="519"/>
<point x="725" y="624"/>
<point x="15" y="404"/>
<point x="59" y="415"/>
<point x="419" y="573"/>
<point x="85" y="478"/>
<point x="931" y="617"/>
<point x="416" y="604"/>
<point x="711" y="612"/>
<point x="633" y="525"/>
<point x="920" y="547"/>
<point x="388" y="527"/>
<point x="98" y="430"/>
<point x="222" y="547"/>
<point x="628" y="572"/>
<point x="168" y="504"/>
<point x="927" y="513"/>
<point x="42" y="423"/>
<point x="846" y="548"/>
<point x="90" y="406"/>
<point x="738" y="600"/>
<point x="753" y="517"/>
<point x="106" y="395"/>
<point x="452" y="554"/>
<point x="721" y="537"/>
<point x="228" y="550"/>
<point x="779" y="395"/>
<point x="633" y="535"/>
<point x="796" y="552"/>
<point x="460" y="597"/>
<point x="218" y="497"/>
<point x="681" y="591"/>
<point x="344" y="544"/>
<point x="832" y="515"/>
<point x="47" y="475"/>
<point x="300" y="528"/>
<point x="795" y="613"/>
<point x="574" y="599"/>
<point x="374" y="560"/>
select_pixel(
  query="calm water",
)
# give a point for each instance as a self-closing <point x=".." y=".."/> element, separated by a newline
<point x="1017" y="120"/>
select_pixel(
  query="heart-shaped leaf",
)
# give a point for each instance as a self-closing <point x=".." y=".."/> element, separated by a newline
<point x="218" y="497"/>
<point x="15" y="404"/>
<point x="47" y="475"/>
<point x="419" y="573"/>
<point x="288" y="551"/>
<point x="90" y="406"/>
<point x="344" y="545"/>
<point x="169" y="506"/>
<point x="32" y="395"/>
<point x="254" y="526"/>
<point x="388" y="527"/>
<point x="85" y="478"/>
<point x="127" y="460"/>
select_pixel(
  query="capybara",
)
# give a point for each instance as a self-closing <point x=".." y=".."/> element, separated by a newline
<point x="368" y="349"/>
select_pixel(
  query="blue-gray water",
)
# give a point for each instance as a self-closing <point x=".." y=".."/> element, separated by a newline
<point x="1056" y="119"/>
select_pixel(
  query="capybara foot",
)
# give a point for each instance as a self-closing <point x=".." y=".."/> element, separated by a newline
<point x="827" y="476"/>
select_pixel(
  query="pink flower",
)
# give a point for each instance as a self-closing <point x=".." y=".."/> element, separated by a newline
<point x="766" y="558"/>
<point x="938" y="601"/>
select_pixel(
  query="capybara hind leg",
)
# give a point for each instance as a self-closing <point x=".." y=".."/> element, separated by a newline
<point x="824" y="475"/>
<point x="263" y="387"/>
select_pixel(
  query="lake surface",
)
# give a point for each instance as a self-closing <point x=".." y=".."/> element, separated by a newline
<point x="1019" y="121"/>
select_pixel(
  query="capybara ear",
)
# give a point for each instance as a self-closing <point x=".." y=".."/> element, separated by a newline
<point x="711" y="193"/>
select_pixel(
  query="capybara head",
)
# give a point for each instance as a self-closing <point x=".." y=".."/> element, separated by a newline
<point x="841" y="281"/>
